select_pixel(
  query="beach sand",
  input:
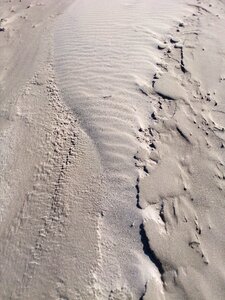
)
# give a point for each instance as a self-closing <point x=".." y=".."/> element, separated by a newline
<point x="112" y="138"/>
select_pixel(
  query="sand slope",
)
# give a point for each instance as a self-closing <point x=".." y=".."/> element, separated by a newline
<point x="112" y="149"/>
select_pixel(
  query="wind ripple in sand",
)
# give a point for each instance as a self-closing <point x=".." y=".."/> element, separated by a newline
<point x="100" y="52"/>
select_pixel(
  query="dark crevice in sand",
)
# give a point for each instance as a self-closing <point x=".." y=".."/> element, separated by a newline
<point x="149" y="251"/>
<point x="182" y="67"/>
<point x="142" y="296"/>
<point x="165" y="97"/>
<point x="161" y="213"/>
<point x="137" y="195"/>
<point x="143" y="92"/>
<point x="182" y="135"/>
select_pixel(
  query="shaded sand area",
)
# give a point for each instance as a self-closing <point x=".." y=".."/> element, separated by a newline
<point x="112" y="149"/>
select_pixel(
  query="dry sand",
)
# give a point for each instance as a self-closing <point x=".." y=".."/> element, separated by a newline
<point x="112" y="138"/>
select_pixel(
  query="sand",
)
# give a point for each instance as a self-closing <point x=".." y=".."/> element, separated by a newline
<point x="112" y="149"/>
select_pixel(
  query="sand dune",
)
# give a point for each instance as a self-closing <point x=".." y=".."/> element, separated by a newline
<point x="112" y="149"/>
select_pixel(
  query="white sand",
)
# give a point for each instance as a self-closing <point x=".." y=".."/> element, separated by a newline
<point x="112" y="140"/>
